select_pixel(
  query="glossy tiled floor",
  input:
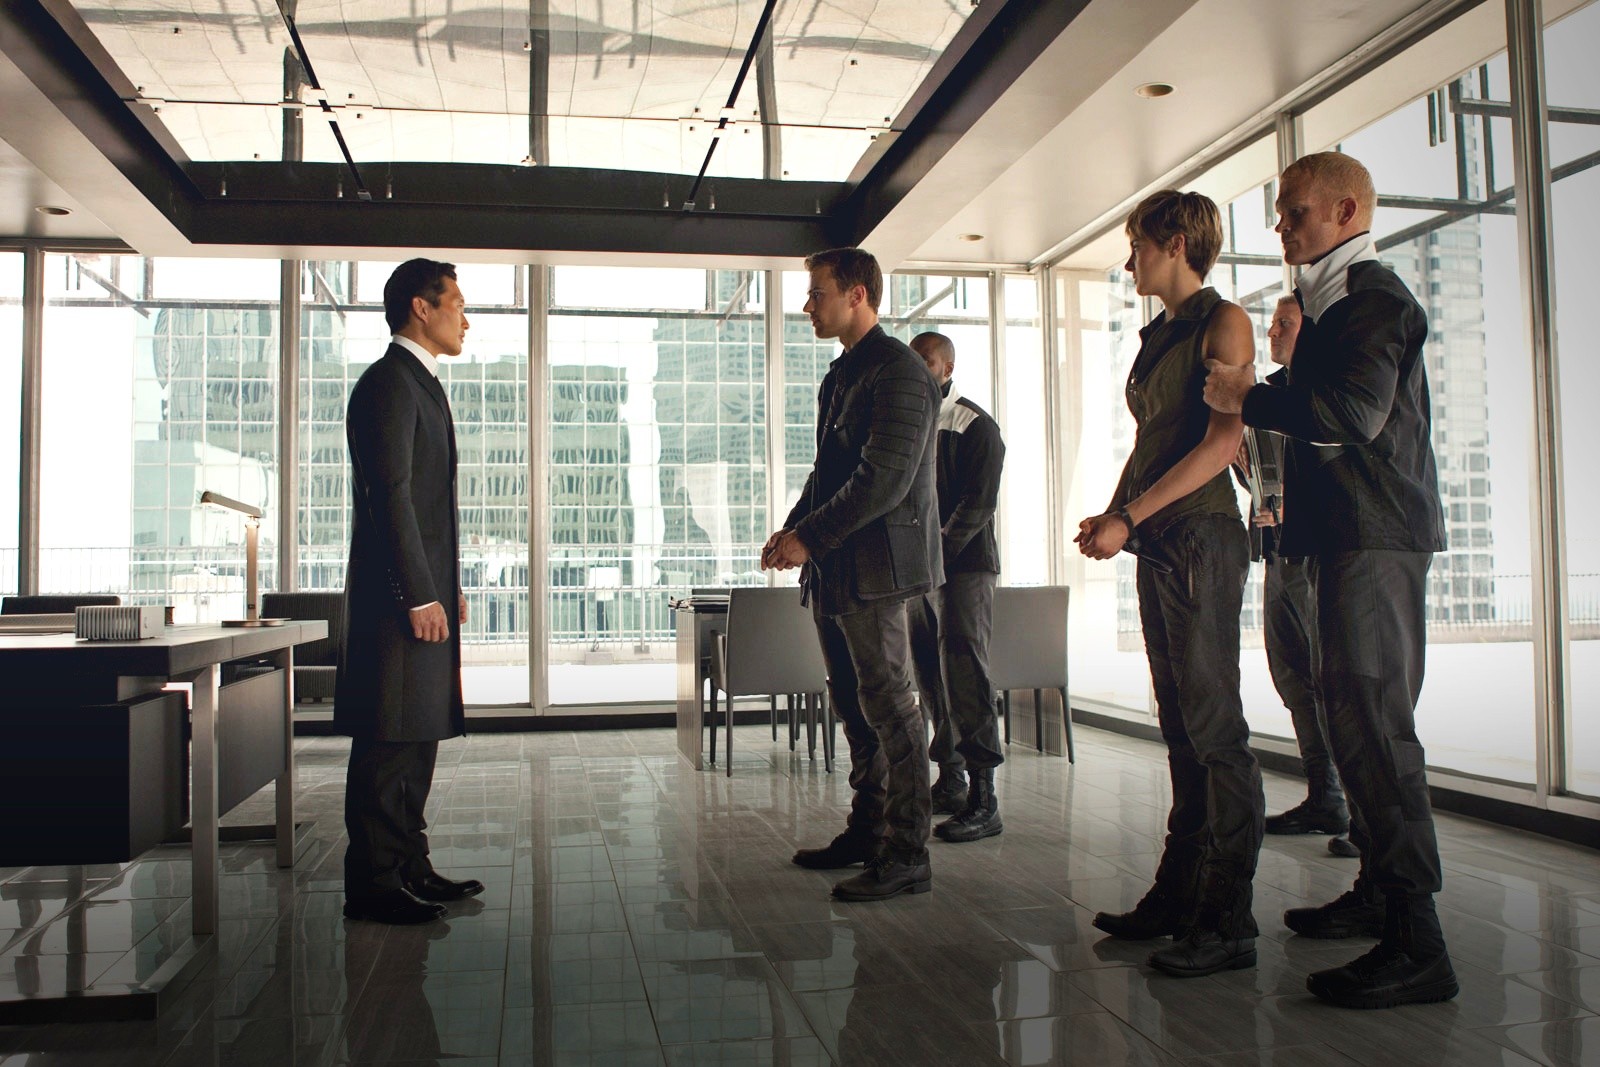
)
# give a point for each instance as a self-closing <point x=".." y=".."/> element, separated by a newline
<point x="638" y="912"/>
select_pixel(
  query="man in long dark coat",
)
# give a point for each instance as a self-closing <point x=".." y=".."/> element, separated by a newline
<point x="399" y="682"/>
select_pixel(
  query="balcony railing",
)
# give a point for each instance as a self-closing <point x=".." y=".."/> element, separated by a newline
<point x="605" y="598"/>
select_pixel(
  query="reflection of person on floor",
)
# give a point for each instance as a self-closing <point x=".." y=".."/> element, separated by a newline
<point x="866" y="533"/>
<point x="951" y="626"/>
<point x="1362" y="504"/>
<point x="1194" y="554"/>
<point x="390" y="1017"/>
<point x="1290" y="633"/>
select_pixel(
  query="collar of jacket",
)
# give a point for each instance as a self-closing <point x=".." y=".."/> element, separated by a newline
<point x="426" y="358"/>
<point x="1327" y="281"/>
<point x="951" y="396"/>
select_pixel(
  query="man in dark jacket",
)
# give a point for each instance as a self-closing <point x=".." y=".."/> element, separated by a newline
<point x="951" y="626"/>
<point x="1289" y="630"/>
<point x="866" y="533"/>
<point x="399" y="677"/>
<point x="1361" y="502"/>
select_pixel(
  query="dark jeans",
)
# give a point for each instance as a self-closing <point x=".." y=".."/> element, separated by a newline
<point x="1191" y="634"/>
<point x="950" y="631"/>
<point x="868" y="655"/>
<point x="1290" y="624"/>
<point x="386" y="788"/>
<point x="1372" y="629"/>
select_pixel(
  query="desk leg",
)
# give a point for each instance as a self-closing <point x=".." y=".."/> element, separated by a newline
<point x="203" y="796"/>
<point x="283" y="786"/>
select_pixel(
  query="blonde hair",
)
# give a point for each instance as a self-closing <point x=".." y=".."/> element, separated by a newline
<point x="1337" y="176"/>
<point x="1163" y="215"/>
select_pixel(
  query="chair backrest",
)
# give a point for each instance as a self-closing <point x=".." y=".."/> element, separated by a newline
<point x="328" y="606"/>
<point x="772" y="644"/>
<point x="1029" y="647"/>
<point x="65" y="604"/>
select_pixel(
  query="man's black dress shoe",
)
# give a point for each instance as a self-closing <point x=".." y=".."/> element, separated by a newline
<point x="396" y="907"/>
<point x="436" y="887"/>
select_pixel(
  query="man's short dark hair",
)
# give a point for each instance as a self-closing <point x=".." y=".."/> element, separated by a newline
<point x="852" y="267"/>
<point x="413" y="278"/>
<point x="942" y="346"/>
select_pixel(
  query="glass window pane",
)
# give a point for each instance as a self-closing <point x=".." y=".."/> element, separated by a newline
<point x="1025" y="554"/>
<point x="1106" y="654"/>
<point x="657" y="481"/>
<point x="148" y="401"/>
<point x="487" y="386"/>
<point x="11" y="404"/>
<point x="1475" y="714"/>
<point x="1574" y="81"/>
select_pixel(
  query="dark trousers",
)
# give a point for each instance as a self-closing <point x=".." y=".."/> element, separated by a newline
<point x="950" y="631"/>
<point x="1191" y="634"/>
<point x="1290" y="624"/>
<point x="1372" y="630"/>
<point x="386" y="788"/>
<point x="868" y="655"/>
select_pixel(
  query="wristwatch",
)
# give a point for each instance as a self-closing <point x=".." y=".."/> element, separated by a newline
<point x="1127" y="520"/>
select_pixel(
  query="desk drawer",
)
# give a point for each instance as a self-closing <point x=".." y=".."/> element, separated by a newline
<point x="94" y="783"/>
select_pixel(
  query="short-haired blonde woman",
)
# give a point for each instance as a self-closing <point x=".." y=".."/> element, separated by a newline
<point x="1175" y="505"/>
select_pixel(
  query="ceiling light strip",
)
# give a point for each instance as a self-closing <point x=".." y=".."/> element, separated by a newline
<point x="733" y="98"/>
<point x="362" y="192"/>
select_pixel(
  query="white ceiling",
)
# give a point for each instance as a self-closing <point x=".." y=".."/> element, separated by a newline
<point x="1063" y="149"/>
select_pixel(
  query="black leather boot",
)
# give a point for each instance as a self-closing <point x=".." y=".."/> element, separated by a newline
<point x="1359" y="912"/>
<point x="949" y="793"/>
<point x="980" y="818"/>
<point x="846" y="850"/>
<point x="1164" y="911"/>
<point x="1323" y="811"/>
<point x="1409" y="966"/>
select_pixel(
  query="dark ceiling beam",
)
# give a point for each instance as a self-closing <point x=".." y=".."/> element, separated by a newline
<point x="498" y="185"/>
<point x="994" y="47"/>
<point x="386" y="224"/>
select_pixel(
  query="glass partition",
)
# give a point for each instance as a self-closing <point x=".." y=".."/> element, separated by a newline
<point x="1574" y="82"/>
<point x="11" y="404"/>
<point x="1102" y="315"/>
<point x="342" y="333"/>
<point x="160" y="381"/>
<point x="1025" y="525"/>
<point x="1476" y="712"/>
<point x="657" y="453"/>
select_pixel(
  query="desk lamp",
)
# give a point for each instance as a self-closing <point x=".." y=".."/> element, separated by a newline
<point x="252" y="533"/>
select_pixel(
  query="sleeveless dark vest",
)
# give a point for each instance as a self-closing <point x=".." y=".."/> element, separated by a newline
<point x="1165" y="392"/>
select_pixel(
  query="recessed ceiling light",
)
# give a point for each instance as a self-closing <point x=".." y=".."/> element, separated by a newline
<point x="47" y="209"/>
<point x="969" y="236"/>
<point x="1152" y="90"/>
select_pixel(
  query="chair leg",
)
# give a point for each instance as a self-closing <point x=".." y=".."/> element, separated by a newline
<point x="1038" y="720"/>
<point x="713" y="720"/>
<point x="727" y="740"/>
<point x="1004" y="700"/>
<point x="772" y="715"/>
<point x="828" y="742"/>
<point x="794" y="725"/>
<point x="1066" y="720"/>
<point x="811" y="726"/>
